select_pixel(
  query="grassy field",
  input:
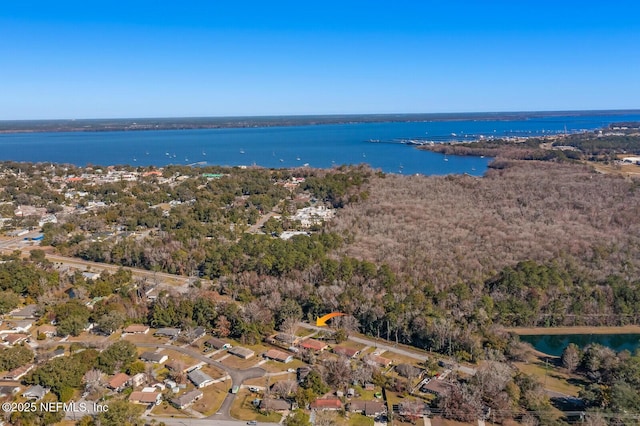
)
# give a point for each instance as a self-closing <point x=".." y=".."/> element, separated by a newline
<point x="360" y="420"/>
<point x="235" y="362"/>
<point x="399" y="359"/>
<point x="351" y="344"/>
<point x="621" y="169"/>
<point x="144" y="338"/>
<point x="167" y="410"/>
<point x="212" y="399"/>
<point x="552" y="379"/>
<point x="304" y="332"/>
<point x="243" y="409"/>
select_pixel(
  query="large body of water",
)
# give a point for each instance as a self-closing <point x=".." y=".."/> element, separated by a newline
<point x="293" y="146"/>
<point x="555" y="344"/>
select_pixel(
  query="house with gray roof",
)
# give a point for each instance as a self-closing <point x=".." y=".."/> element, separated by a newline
<point x="270" y="404"/>
<point x="155" y="357"/>
<point x="28" y="312"/>
<point x="241" y="352"/>
<point x="184" y="401"/>
<point x="199" y="378"/>
<point x="36" y="392"/>
<point x="216" y="343"/>
<point x="168" y="332"/>
<point x="8" y="390"/>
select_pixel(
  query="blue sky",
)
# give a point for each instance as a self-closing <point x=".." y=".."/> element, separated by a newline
<point x="186" y="58"/>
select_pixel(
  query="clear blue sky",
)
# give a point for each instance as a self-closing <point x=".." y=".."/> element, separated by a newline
<point x="155" y="58"/>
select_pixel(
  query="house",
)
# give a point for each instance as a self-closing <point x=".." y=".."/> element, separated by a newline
<point x="176" y="366"/>
<point x="435" y="387"/>
<point x="36" y="392"/>
<point x="155" y="357"/>
<point x="48" y="330"/>
<point x="348" y="352"/>
<point x="413" y="410"/>
<point x="171" y="385"/>
<point x="302" y="372"/>
<point x="368" y="408"/>
<point x="57" y="353"/>
<point x="277" y="355"/>
<point x="159" y="386"/>
<point x="184" y="401"/>
<point x="119" y="382"/>
<point x="21" y="326"/>
<point x="326" y="404"/>
<point x="288" y="339"/>
<point x="14" y="338"/>
<point x="378" y="360"/>
<point x="28" y="312"/>
<point x="217" y="343"/>
<point x="199" y="378"/>
<point x="314" y="345"/>
<point x="8" y="390"/>
<point x="240" y="352"/>
<point x="197" y="333"/>
<point x="146" y="398"/>
<point x="138" y="379"/>
<point x="270" y="404"/>
<point x="90" y="276"/>
<point x="168" y="332"/>
<point x="136" y="329"/>
<point x="18" y="373"/>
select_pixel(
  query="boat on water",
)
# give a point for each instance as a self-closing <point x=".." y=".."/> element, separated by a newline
<point x="242" y="151"/>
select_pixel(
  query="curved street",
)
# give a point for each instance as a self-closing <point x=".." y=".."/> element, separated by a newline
<point x="237" y="376"/>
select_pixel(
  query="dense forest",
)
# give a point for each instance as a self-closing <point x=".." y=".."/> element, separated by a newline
<point x="441" y="263"/>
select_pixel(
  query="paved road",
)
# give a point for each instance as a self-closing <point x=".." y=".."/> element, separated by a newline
<point x="163" y="279"/>
<point x="237" y="376"/>
<point x="372" y="342"/>
<point x="389" y="348"/>
<point x="179" y="283"/>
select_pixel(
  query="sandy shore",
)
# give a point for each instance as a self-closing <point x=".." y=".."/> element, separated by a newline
<point x="529" y="331"/>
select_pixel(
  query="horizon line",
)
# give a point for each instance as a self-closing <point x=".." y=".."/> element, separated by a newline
<point x="334" y="115"/>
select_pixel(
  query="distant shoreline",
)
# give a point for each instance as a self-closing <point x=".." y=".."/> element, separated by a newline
<point x="197" y="123"/>
<point x="539" y="331"/>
